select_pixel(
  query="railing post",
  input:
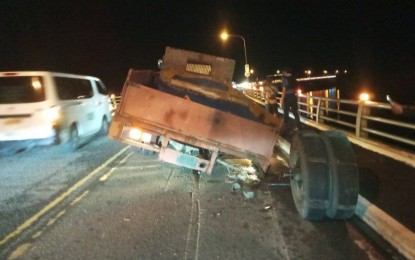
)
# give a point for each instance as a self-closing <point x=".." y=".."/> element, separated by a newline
<point x="361" y="122"/>
<point x="310" y="104"/>
<point x="318" y="119"/>
<point x="113" y="101"/>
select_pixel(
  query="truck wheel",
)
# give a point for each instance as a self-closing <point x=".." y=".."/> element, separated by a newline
<point x="73" y="142"/>
<point x="344" y="176"/>
<point x="310" y="180"/>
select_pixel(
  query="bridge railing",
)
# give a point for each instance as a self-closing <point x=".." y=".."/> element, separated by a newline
<point x="115" y="100"/>
<point x="363" y="119"/>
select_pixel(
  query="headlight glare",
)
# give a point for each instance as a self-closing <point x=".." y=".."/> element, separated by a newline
<point x="135" y="134"/>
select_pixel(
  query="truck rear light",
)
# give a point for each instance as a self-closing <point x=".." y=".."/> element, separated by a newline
<point x="136" y="135"/>
<point x="146" y="138"/>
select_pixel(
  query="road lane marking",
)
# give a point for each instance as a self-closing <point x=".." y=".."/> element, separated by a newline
<point x="53" y="220"/>
<point x="108" y="174"/>
<point x="19" y="251"/>
<point x="79" y="198"/>
<point x="37" y="234"/>
<point x="125" y="158"/>
<point x="59" y="199"/>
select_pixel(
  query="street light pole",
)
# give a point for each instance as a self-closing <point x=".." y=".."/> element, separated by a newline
<point x="225" y="36"/>
<point x="243" y="39"/>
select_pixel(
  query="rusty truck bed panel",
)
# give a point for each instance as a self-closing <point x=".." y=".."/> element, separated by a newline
<point x="188" y="64"/>
<point x="194" y="120"/>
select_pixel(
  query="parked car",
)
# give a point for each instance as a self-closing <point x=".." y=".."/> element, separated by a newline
<point x="52" y="108"/>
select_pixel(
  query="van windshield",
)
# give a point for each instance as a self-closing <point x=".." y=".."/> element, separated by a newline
<point x="28" y="89"/>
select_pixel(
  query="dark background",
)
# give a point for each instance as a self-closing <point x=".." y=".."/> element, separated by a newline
<point x="373" y="40"/>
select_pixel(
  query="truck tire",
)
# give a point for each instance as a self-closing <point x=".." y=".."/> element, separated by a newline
<point x="344" y="176"/>
<point x="310" y="180"/>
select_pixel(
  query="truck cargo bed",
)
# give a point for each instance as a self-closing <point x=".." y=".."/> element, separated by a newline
<point x="186" y="110"/>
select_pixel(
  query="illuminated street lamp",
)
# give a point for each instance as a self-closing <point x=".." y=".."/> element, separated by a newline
<point x="364" y="97"/>
<point x="225" y="36"/>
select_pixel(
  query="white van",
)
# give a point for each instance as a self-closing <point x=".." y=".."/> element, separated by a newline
<point x="49" y="107"/>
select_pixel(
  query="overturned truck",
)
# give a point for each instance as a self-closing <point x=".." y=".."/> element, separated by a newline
<point x="189" y="113"/>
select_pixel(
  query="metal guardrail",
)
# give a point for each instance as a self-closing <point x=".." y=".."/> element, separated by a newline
<point x="363" y="119"/>
<point x="115" y="100"/>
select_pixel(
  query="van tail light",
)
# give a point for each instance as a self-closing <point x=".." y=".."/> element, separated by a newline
<point x="52" y="114"/>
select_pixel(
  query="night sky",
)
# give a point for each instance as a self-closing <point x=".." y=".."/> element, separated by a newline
<point x="373" y="40"/>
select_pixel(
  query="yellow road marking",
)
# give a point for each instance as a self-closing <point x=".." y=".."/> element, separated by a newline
<point x="37" y="234"/>
<point x="59" y="199"/>
<point x="51" y="221"/>
<point x="108" y="174"/>
<point x="19" y="251"/>
<point x="79" y="198"/>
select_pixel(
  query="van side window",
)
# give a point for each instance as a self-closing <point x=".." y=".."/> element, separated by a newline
<point x="101" y="88"/>
<point x="72" y="88"/>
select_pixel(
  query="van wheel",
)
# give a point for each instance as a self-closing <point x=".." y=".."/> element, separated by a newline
<point x="104" y="127"/>
<point x="73" y="143"/>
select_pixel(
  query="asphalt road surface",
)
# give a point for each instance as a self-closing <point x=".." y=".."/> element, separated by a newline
<point x="110" y="201"/>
